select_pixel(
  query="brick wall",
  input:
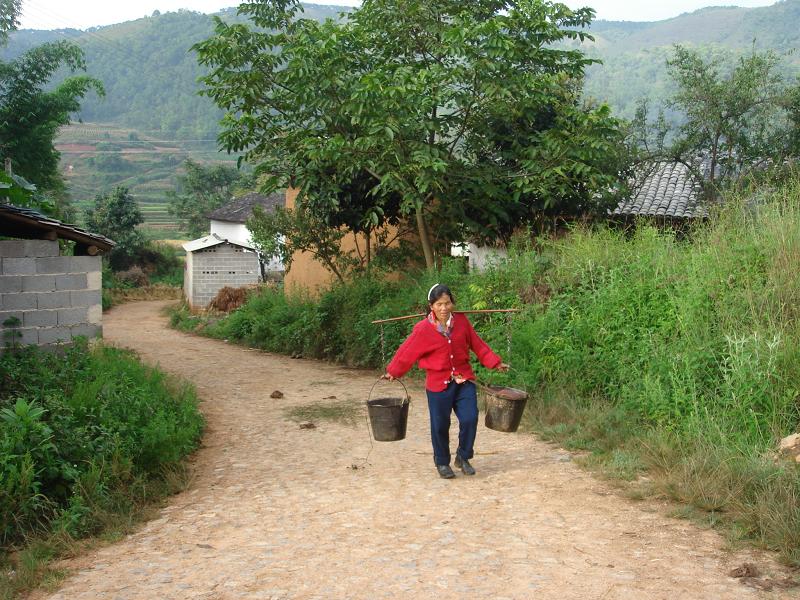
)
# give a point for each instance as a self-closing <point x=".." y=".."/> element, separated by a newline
<point x="56" y="298"/>
<point x="219" y="266"/>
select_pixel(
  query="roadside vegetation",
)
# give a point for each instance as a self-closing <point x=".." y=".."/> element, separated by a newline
<point x="89" y="440"/>
<point x="668" y="361"/>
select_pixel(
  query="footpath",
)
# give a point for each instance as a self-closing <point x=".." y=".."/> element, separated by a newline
<point x="276" y="511"/>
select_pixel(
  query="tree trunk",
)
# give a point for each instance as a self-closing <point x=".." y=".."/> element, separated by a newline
<point x="425" y="240"/>
<point x="367" y="233"/>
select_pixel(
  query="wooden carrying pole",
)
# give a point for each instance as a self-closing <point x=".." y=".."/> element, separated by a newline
<point x="472" y="312"/>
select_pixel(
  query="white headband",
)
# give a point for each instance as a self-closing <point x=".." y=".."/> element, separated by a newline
<point x="430" y="290"/>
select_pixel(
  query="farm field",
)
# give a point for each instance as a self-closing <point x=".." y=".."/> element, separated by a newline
<point x="96" y="158"/>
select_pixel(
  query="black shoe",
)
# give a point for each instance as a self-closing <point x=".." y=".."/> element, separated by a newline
<point x="445" y="472"/>
<point x="464" y="465"/>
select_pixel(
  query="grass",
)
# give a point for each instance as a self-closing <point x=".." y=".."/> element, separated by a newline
<point x="148" y="292"/>
<point x="344" y="412"/>
<point x="92" y="440"/>
<point x="35" y="563"/>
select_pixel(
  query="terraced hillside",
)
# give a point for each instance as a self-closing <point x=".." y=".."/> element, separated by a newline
<point x="96" y="158"/>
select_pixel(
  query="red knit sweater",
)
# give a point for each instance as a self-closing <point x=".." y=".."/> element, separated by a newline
<point x="441" y="357"/>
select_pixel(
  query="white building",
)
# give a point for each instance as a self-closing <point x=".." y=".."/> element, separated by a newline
<point x="229" y="222"/>
<point x="479" y="258"/>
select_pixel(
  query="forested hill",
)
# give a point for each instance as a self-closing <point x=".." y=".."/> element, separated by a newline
<point x="148" y="70"/>
<point x="634" y="54"/>
<point x="151" y="75"/>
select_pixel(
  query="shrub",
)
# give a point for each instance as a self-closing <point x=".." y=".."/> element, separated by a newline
<point x="133" y="277"/>
<point x="81" y="428"/>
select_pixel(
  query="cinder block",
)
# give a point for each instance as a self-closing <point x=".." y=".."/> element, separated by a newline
<point x="72" y="316"/>
<point x="10" y="314"/>
<point x="40" y="318"/>
<point x="20" y="301"/>
<point x="87" y="331"/>
<point x="94" y="280"/>
<point x="29" y="248"/>
<point x="41" y="248"/>
<point x="10" y="283"/>
<point x="30" y="336"/>
<point x="53" y="265"/>
<point x="84" y="264"/>
<point x="94" y="315"/>
<point x="87" y="298"/>
<point x="53" y="300"/>
<point x="38" y="283"/>
<point x="19" y="266"/>
<point x="54" y="335"/>
<point x="12" y="248"/>
<point x="76" y="281"/>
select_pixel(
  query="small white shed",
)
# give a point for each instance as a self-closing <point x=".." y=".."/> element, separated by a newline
<point x="212" y="263"/>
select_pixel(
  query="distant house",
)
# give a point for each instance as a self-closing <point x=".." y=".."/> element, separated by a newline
<point x="227" y="257"/>
<point x="229" y="222"/>
<point x="48" y="299"/>
<point x="667" y="190"/>
<point x="213" y="263"/>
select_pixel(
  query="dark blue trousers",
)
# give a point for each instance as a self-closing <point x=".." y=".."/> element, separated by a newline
<point x="463" y="400"/>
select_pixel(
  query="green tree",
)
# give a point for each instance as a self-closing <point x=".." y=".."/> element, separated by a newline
<point x="733" y="117"/>
<point x="283" y="232"/>
<point x="201" y="189"/>
<point x="31" y="114"/>
<point x="468" y="111"/>
<point x="9" y="17"/>
<point x="116" y="215"/>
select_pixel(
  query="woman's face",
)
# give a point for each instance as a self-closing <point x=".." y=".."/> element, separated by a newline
<point x="442" y="307"/>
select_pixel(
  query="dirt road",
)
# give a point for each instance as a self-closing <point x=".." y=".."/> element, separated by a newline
<point x="281" y="512"/>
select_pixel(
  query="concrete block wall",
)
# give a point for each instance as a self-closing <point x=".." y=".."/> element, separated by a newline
<point x="219" y="266"/>
<point x="55" y="298"/>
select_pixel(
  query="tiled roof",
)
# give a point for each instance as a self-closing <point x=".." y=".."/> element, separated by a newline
<point x="667" y="190"/>
<point x="211" y="240"/>
<point x="240" y="209"/>
<point x="16" y="221"/>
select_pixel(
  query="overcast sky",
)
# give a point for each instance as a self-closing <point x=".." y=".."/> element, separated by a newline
<point x="81" y="14"/>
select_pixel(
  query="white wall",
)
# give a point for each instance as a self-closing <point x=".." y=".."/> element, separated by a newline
<point x="238" y="233"/>
<point x="480" y="257"/>
<point x="233" y="232"/>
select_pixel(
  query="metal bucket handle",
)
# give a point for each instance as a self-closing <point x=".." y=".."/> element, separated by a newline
<point x="366" y="415"/>
<point x="407" y="398"/>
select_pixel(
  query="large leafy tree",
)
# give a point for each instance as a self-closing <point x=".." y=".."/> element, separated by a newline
<point x="201" y="189"/>
<point x="9" y="17"/>
<point x="467" y="111"/>
<point x="736" y="116"/>
<point x="31" y="114"/>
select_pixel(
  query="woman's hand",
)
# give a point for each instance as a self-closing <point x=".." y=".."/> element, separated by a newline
<point x="503" y="367"/>
<point x="388" y="376"/>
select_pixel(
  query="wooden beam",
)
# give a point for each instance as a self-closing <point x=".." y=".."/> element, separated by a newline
<point x="463" y="312"/>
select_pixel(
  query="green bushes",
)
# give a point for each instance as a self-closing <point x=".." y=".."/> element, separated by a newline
<point x="82" y="435"/>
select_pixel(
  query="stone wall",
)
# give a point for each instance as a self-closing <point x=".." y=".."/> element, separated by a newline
<point x="55" y="298"/>
<point x="219" y="266"/>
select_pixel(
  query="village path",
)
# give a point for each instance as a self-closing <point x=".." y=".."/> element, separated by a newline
<point x="276" y="511"/>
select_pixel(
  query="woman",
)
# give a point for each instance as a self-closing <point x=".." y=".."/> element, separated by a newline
<point x="441" y="343"/>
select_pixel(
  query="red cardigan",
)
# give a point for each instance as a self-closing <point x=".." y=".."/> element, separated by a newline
<point x="441" y="357"/>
